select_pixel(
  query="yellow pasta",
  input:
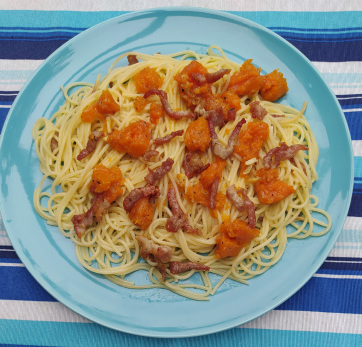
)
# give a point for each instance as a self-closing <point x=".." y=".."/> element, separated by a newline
<point x="110" y="247"/>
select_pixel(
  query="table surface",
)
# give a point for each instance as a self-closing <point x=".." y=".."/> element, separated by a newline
<point x="327" y="310"/>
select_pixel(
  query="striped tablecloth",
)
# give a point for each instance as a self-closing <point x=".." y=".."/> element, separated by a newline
<point x="327" y="311"/>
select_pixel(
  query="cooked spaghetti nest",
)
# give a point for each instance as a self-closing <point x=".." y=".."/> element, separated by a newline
<point x="110" y="247"/>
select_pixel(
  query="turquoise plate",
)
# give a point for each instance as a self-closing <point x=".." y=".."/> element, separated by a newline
<point x="50" y="257"/>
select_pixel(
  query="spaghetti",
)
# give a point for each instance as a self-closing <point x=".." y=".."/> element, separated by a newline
<point x="209" y="191"/>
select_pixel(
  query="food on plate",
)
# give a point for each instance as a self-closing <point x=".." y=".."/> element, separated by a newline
<point x="179" y="164"/>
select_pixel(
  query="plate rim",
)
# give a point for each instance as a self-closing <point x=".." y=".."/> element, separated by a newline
<point x="222" y="325"/>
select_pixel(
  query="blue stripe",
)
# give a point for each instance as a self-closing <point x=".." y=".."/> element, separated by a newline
<point x="90" y="334"/>
<point x="338" y="295"/>
<point x="354" y="121"/>
<point x="18" y="284"/>
<point x="327" y="295"/>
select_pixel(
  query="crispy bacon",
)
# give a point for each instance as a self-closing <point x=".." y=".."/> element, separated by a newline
<point x="217" y="148"/>
<point x="250" y="209"/>
<point x="154" y="175"/>
<point x="231" y="114"/>
<point x="193" y="165"/>
<point x="216" y="115"/>
<point x="166" y="106"/>
<point x="215" y="76"/>
<point x="158" y="254"/>
<point x="162" y="140"/>
<point x="242" y="204"/>
<point x="257" y="111"/>
<point x="213" y="192"/>
<point x="93" y="139"/>
<point x="177" y="267"/>
<point x="98" y="210"/>
<point x="132" y="59"/>
<point x="282" y="152"/>
<point x="209" y="77"/>
<point x="149" y="154"/>
<point x="138" y="193"/>
<point x="178" y="220"/>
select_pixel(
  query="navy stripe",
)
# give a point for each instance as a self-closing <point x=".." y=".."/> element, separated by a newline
<point x="315" y="50"/>
<point x="331" y="265"/>
<point x="327" y="295"/>
<point x="7" y="247"/>
<point x="352" y="101"/>
<point x="3" y="114"/>
<point x="344" y="96"/>
<point x="18" y="284"/>
<point x="325" y="30"/>
<point x="8" y="255"/>
<point x="344" y="259"/>
<point x="36" y="50"/>
<point x="355" y="209"/>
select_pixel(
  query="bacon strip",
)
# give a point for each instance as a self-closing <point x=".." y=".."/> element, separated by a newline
<point x="159" y="254"/>
<point x="242" y="204"/>
<point x="178" y="220"/>
<point x="154" y="175"/>
<point x="93" y="139"/>
<point x="215" y="76"/>
<point x="176" y="267"/>
<point x="162" y="140"/>
<point x="193" y="165"/>
<point x="149" y="154"/>
<point x="283" y="152"/>
<point x="213" y="192"/>
<point x="209" y="77"/>
<point x="217" y="148"/>
<point x="132" y="59"/>
<point x="216" y="115"/>
<point x="257" y="111"/>
<point x="138" y="193"/>
<point x="166" y="106"/>
<point x="98" y="210"/>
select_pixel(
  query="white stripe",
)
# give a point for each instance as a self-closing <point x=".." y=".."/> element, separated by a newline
<point x="11" y="87"/>
<point x="357" y="148"/>
<point x="353" y="90"/>
<point x="348" y="244"/>
<point x="353" y="109"/>
<point x="326" y="322"/>
<point x="12" y="264"/>
<point x="340" y="277"/>
<point x="343" y="261"/>
<point x="346" y="252"/>
<point x="353" y="223"/>
<point x="12" y="81"/>
<point x="38" y="311"/>
<point x="133" y="5"/>
<point x="18" y="64"/>
<point x="5" y="106"/>
<point x="339" y="67"/>
<point x="4" y="241"/>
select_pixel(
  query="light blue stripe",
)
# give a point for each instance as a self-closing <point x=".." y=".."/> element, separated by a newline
<point x="357" y="166"/>
<point x="312" y="20"/>
<point x="84" y="334"/>
<point x="339" y="78"/>
<point x="350" y="236"/>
